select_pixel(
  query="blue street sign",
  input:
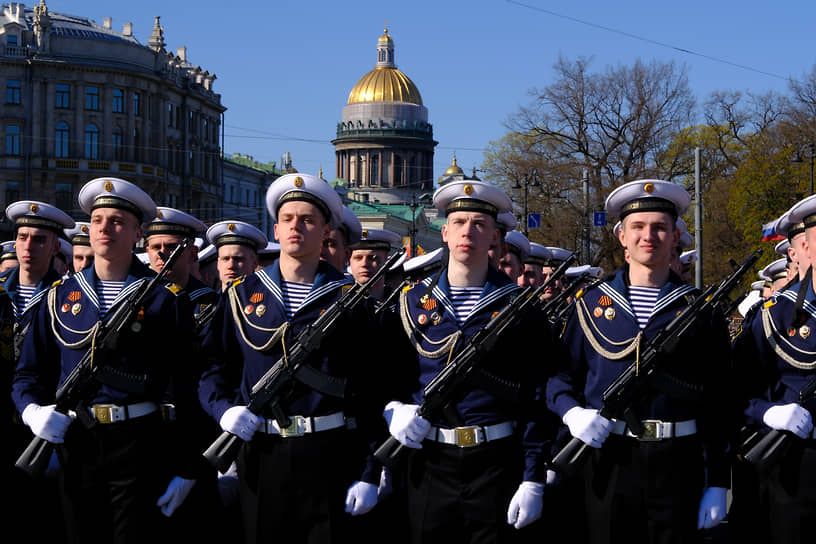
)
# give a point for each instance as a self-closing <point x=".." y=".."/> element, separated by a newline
<point x="600" y="219"/>
<point x="533" y="220"/>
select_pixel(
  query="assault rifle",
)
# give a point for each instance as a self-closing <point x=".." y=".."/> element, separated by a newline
<point x="767" y="452"/>
<point x="625" y="392"/>
<point x="441" y="391"/>
<point x="94" y="367"/>
<point x="270" y="391"/>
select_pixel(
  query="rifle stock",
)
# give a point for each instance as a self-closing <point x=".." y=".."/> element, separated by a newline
<point x="36" y="456"/>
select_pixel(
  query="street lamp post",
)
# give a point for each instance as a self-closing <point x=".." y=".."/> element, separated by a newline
<point x="810" y="149"/>
<point x="524" y="185"/>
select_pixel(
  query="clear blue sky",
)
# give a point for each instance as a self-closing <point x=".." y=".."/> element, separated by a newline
<point x="285" y="68"/>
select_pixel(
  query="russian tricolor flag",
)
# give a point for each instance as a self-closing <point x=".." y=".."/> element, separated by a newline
<point x="769" y="232"/>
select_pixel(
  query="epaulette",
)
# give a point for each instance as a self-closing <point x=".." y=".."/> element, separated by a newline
<point x="770" y="302"/>
<point x="236" y="281"/>
<point x="174" y="288"/>
<point x="58" y="282"/>
<point x="406" y="288"/>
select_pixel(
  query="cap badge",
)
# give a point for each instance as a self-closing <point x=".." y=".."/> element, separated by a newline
<point x="84" y="228"/>
<point x="248" y="309"/>
<point x="605" y="301"/>
<point x="159" y="214"/>
<point x="298" y="182"/>
<point x="429" y="304"/>
<point x="231" y="227"/>
<point x="804" y="331"/>
<point x="649" y="188"/>
<point x="34" y="208"/>
<point x="256" y="298"/>
<point x="609" y="313"/>
<point x="468" y="189"/>
<point x="73" y="296"/>
<point x="364" y="233"/>
<point x="108" y="186"/>
<point x="598" y="311"/>
<point x="422" y="319"/>
<point x="260" y="310"/>
<point x="76" y="308"/>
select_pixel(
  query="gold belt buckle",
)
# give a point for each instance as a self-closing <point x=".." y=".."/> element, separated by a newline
<point x="103" y="413"/>
<point x="466" y="436"/>
<point x="651" y="430"/>
<point x="296" y="427"/>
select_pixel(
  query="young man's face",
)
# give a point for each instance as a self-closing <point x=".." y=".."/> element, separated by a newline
<point x="531" y="276"/>
<point x="35" y="248"/>
<point x="114" y="233"/>
<point x="83" y="257"/>
<point x="234" y="261"/>
<point x="300" y="229"/>
<point x="334" y="250"/>
<point x="649" y="238"/>
<point x="555" y="287"/>
<point x="166" y="244"/>
<point x="511" y="265"/>
<point x="469" y="236"/>
<point x="364" y="263"/>
<point x="798" y="253"/>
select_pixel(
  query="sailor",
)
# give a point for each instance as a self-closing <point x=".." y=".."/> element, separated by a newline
<point x="82" y="254"/>
<point x="775" y="357"/>
<point x="237" y="244"/>
<point x="664" y="482"/>
<point x="121" y="474"/>
<point x="369" y="254"/>
<point x="337" y="245"/>
<point x="8" y="257"/>
<point x="533" y="275"/>
<point x="305" y="482"/>
<point x="478" y="472"/>
<point x="517" y="250"/>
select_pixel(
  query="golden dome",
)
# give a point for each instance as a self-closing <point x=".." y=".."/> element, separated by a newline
<point x="453" y="169"/>
<point x="385" y="38"/>
<point x="385" y="85"/>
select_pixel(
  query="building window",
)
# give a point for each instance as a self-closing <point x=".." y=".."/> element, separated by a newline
<point x="12" y="191"/>
<point x="91" y="142"/>
<point x="92" y="98"/>
<point x="61" y="139"/>
<point x="12" y="139"/>
<point x="137" y="104"/>
<point x="63" y="96"/>
<point x="63" y="196"/>
<point x="169" y="115"/>
<point x="118" y="103"/>
<point x="11" y="40"/>
<point x="13" y="87"/>
<point x="116" y="143"/>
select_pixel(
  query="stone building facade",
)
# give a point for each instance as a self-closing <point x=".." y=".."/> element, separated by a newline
<point x="83" y="100"/>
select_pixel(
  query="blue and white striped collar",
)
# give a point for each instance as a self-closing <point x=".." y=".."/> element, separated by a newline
<point x="326" y="280"/>
<point x="618" y="290"/>
<point x="495" y="288"/>
<point x="137" y="275"/>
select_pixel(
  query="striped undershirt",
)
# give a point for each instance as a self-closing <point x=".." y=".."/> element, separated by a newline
<point x="294" y="294"/>
<point x="107" y="291"/>
<point x="24" y="294"/>
<point x="643" y="300"/>
<point x="463" y="300"/>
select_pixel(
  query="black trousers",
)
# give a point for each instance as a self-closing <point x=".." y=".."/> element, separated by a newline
<point x="791" y="495"/>
<point x="294" y="489"/>
<point x="644" y="492"/>
<point x="461" y="495"/>
<point x="111" y="479"/>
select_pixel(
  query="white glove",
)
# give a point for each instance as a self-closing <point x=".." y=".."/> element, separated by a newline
<point x="526" y="504"/>
<point x="404" y="425"/>
<point x="587" y="425"/>
<point x="386" y="487"/>
<point x="790" y="417"/>
<point x="228" y="485"/>
<point x="46" y="423"/>
<point x="177" y="491"/>
<point x="712" y="507"/>
<point x="239" y="421"/>
<point x="360" y="498"/>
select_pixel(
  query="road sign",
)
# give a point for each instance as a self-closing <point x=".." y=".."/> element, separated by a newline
<point x="533" y="220"/>
<point x="599" y="220"/>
